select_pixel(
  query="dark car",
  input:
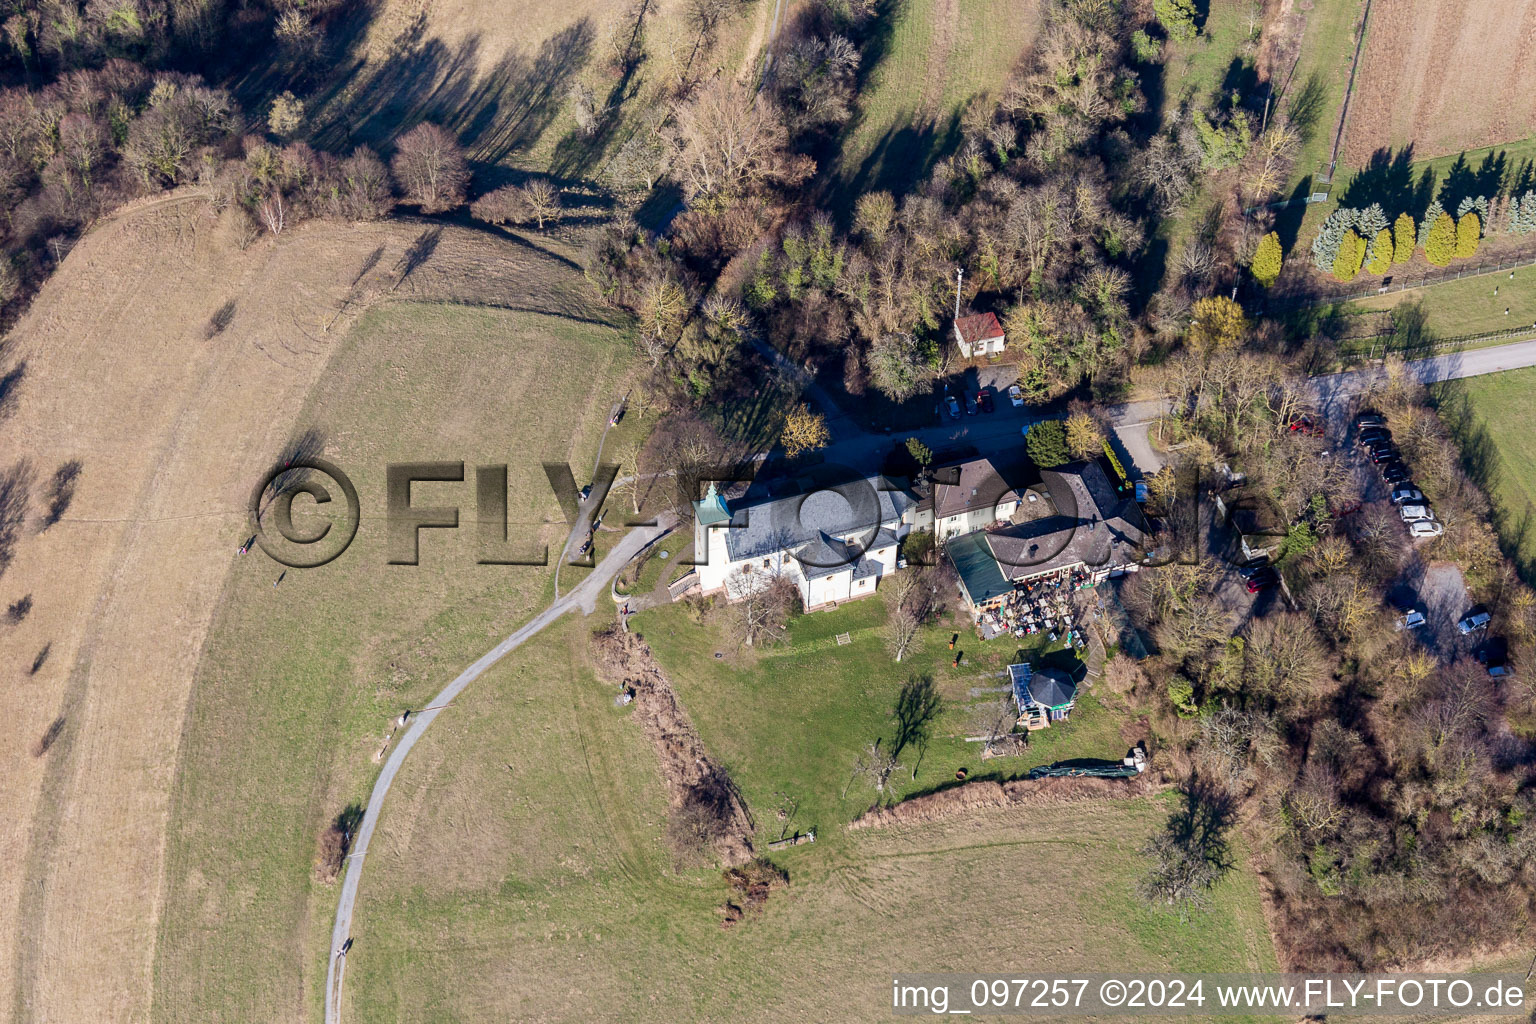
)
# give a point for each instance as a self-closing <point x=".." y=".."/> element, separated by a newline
<point x="970" y="403"/>
<point x="1370" y="437"/>
<point x="984" y="398"/>
<point x="1394" y="472"/>
<point x="1369" y="418"/>
<point x="1381" y="455"/>
<point x="1249" y="570"/>
<point x="1263" y="580"/>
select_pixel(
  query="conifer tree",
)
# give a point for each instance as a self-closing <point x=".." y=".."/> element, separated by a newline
<point x="1351" y="256"/>
<point x="1440" y="243"/>
<point x="1468" y="231"/>
<point x="1381" y="252"/>
<point x="1268" y="258"/>
<point x="1404" y="239"/>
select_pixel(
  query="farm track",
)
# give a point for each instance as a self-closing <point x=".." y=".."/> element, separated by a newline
<point x="585" y="596"/>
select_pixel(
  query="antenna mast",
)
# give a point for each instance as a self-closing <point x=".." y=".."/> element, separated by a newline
<point x="959" y="276"/>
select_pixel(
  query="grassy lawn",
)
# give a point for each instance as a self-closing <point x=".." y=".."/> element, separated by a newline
<point x="662" y="560"/>
<point x="1213" y="62"/>
<point x="519" y="872"/>
<point x="1199" y="72"/>
<point x="790" y="721"/>
<point x="297" y="685"/>
<point x="1503" y="417"/>
<point x="1316" y="89"/>
<point x="1467" y="306"/>
<point x="938" y="55"/>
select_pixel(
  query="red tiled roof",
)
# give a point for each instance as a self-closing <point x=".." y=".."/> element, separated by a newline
<point x="977" y="328"/>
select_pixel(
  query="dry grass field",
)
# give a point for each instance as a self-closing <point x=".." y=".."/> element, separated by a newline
<point x="520" y="873"/>
<point x="197" y="701"/>
<point x="939" y="55"/>
<point x="499" y="76"/>
<point x="1444" y="75"/>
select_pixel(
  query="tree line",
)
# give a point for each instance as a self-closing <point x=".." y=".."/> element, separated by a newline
<point x="1390" y="802"/>
<point x="1043" y="203"/>
<point x="1352" y="240"/>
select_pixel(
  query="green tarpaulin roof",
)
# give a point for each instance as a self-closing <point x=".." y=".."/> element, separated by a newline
<point x="977" y="568"/>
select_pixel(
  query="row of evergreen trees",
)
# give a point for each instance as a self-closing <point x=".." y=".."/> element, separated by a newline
<point x="1352" y="240"/>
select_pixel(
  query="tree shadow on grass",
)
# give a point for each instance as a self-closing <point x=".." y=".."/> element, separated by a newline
<point x="917" y="707"/>
<point x="1305" y="108"/>
<point x="900" y="162"/>
<point x="1480" y="460"/>
<point x="1387" y="178"/>
<point x="1463" y="180"/>
<point x="493" y="113"/>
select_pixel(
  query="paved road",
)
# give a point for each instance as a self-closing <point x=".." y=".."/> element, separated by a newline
<point x="584" y="595"/>
<point x="1337" y="387"/>
<point x="853" y="447"/>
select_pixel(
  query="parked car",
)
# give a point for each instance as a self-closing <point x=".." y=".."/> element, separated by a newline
<point x="1307" y="425"/>
<point x="1413" y="620"/>
<point x="1500" y="671"/>
<point x="1248" y="570"/>
<point x="1141" y="492"/>
<point x="954" y="407"/>
<point x="1384" y="455"/>
<point x="984" y="399"/>
<point x="1394" y="472"/>
<point x="970" y="404"/>
<point x="1425" y="528"/>
<point x="1407" y="496"/>
<point x="1371" y="435"/>
<point x="1349" y="508"/>
<point x="1415" y="513"/>
<point x="1262" y="580"/>
<point x="1015" y="396"/>
<point x="1473" y="622"/>
<point x="1369" y="418"/>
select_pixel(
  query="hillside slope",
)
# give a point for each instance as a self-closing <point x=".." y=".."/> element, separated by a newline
<point x="124" y="369"/>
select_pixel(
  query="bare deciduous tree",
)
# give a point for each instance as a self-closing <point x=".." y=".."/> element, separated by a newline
<point x="728" y="138"/>
<point x="908" y="599"/>
<point x="272" y="212"/>
<point x="430" y="167"/>
<point x="541" y="199"/>
<point x="876" y="765"/>
<point x="765" y="601"/>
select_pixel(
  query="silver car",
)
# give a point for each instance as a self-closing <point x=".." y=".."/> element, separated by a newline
<point x="1425" y="528"/>
<point x="1415" y="513"/>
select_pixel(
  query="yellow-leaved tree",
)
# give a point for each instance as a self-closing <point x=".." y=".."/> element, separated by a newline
<point x="1268" y="258"/>
<point x="804" y="431"/>
<point x="1216" y="323"/>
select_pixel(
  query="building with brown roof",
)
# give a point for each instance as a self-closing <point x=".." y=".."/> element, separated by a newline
<point x="973" y="494"/>
<point x="979" y="335"/>
<point x="1090" y="532"/>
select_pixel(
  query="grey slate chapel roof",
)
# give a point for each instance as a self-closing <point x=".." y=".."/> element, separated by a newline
<point x="816" y="526"/>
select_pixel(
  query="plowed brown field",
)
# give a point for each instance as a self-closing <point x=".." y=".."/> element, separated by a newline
<point x="1444" y="75"/>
